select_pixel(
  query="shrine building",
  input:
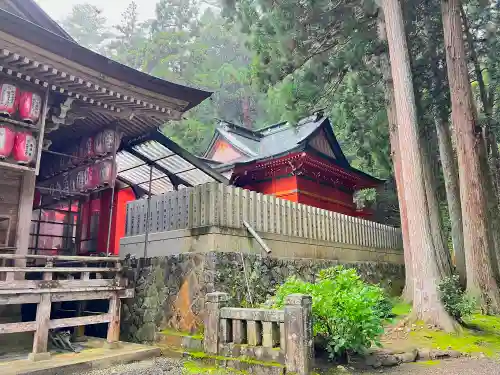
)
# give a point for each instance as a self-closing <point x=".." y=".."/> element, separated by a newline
<point x="302" y="163"/>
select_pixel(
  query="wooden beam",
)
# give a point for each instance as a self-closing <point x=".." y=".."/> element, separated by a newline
<point x="83" y="259"/>
<point x="17" y="327"/>
<point x="88" y="296"/>
<point x="59" y="290"/>
<point x="59" y="284"/>
<point x="19" y="299"/>
<point x="58" y="269"/>
<point x="79" y="321"/>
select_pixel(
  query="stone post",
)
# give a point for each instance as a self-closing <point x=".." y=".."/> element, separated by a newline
<point x="213" y="303"/>
<point x="298" y="334"/>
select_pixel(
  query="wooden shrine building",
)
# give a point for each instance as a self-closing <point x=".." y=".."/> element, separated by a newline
<point x="79" y="137"/>
<point x="303" y="164"/>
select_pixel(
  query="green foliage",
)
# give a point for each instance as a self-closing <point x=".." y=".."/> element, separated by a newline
<point x="347" y="312"/>
<point x="455" y="300"/>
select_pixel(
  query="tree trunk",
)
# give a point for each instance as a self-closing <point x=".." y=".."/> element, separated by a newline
<point x="477" y="239"/>
<point x="427" y="305"/>
<point x="450" y="174"/>
<point x="491" y="163"/>
<point x="407" y="294"/>
<point x="443" y="258"/>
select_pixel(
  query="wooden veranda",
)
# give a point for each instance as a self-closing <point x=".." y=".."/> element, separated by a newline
<point x="62" y="279"/>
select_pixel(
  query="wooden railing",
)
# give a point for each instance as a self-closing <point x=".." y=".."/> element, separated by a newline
<point x="230" y="207"/>
<point x="43" y="280"/>
<point x="283" y="336"/>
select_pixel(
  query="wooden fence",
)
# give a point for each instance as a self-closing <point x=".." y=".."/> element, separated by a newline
<point x="226" y="206"/>
<point x="60" y="279"/>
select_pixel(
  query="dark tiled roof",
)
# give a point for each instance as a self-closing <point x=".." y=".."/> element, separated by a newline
<point x="272" y="140"/>
<point x="277" y="140"/>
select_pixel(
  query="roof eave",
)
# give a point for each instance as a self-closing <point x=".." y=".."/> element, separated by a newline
<point x="67" y="49"/>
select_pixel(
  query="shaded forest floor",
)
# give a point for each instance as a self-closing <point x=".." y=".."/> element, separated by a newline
<point x="481" y="338"/>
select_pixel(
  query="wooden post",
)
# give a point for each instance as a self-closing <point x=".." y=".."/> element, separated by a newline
<point x="41" y="337"/>
<point x="24" y="217"/>
<point x="113" y="338"/>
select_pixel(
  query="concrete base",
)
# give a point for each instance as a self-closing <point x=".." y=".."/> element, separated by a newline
<point x="212" y="238"/>
<point x="35" y="357"/>
<point x="111" y="345"/>
<point x="94" y="356"/>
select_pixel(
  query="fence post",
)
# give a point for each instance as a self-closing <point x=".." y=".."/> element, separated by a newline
<point x="298" y="333"/>
<point x="213" y="303"/>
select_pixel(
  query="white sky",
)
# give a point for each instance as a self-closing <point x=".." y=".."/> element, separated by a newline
<point x="112" y="9"/>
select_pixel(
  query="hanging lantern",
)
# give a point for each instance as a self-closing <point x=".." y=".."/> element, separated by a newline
<point x="90" y="181"/>
<point x="30" y="107"/>
<point x="73" y="177"/>
<point x="65" y="184"/>
<point x="111" y="140"/>
<point x="7" y="139"/>
<point x="58" y="187"/>
<point x="99" y="144"/>
<point x="80" y="180"/>
<point x="86" y="150"/>
<point x="106" y="173"/>
<point x="24" y="148"/>
<point x="9" y="99"/>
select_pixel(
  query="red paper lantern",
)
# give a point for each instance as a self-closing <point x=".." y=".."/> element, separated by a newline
<point x="86" y="150"/>
<point x="90" y="181"/>
<point x="111" y="140"/>
<point x="99" y="145"/>
<point x="30" y="107"/>
<point x="73" y="177"/>
<point x="80" y="180"/>
<point x="106" y="173"/>
<point x="9" y="99"/>
<point x="24" y="148"/>
<point x="65" y="184"/>
<point x="7" y="139"/>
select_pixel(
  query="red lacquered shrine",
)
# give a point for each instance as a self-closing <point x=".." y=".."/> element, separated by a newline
<point x="302" y="163"/>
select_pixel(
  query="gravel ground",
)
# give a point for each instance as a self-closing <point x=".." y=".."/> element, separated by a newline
<point x="463" y="366"/>
<point x="158" y="366"/>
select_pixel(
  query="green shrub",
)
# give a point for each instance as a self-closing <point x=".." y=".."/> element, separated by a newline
<point x="456" y="302"/>
<point x="347" y="312"/>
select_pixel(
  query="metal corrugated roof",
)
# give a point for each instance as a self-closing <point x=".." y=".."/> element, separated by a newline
<point x="168" y="165"/>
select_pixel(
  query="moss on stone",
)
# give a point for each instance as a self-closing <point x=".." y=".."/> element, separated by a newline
<point x="195" y="368"/>
<point x="429" y="363"/>
<point x="173" y="332"/>
<point x="482" y="335"/>
<point x="251" y="361"/>
<point x="400" y="308"/>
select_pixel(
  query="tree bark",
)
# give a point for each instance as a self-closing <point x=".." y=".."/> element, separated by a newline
<point x="491" y="163"/>
<point x="427" y="305"/>
<point x="443" y="257"/>
<point x="450" y="174"/>
<point x="407" y="294"/>
<point x="477" y="238"/>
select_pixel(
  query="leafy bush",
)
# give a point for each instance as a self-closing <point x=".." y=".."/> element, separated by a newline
<point x="456" y="302"/>
<point x="347" y="312"/>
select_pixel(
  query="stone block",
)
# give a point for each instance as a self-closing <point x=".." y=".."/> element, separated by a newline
<point x="270" y="334"/>
<point x="298" y="331"/>
<point x="239" y="331"/>
<point x="254" y="333"/>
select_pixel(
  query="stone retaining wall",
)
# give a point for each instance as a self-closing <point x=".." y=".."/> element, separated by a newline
<point x="170" y="291"/>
